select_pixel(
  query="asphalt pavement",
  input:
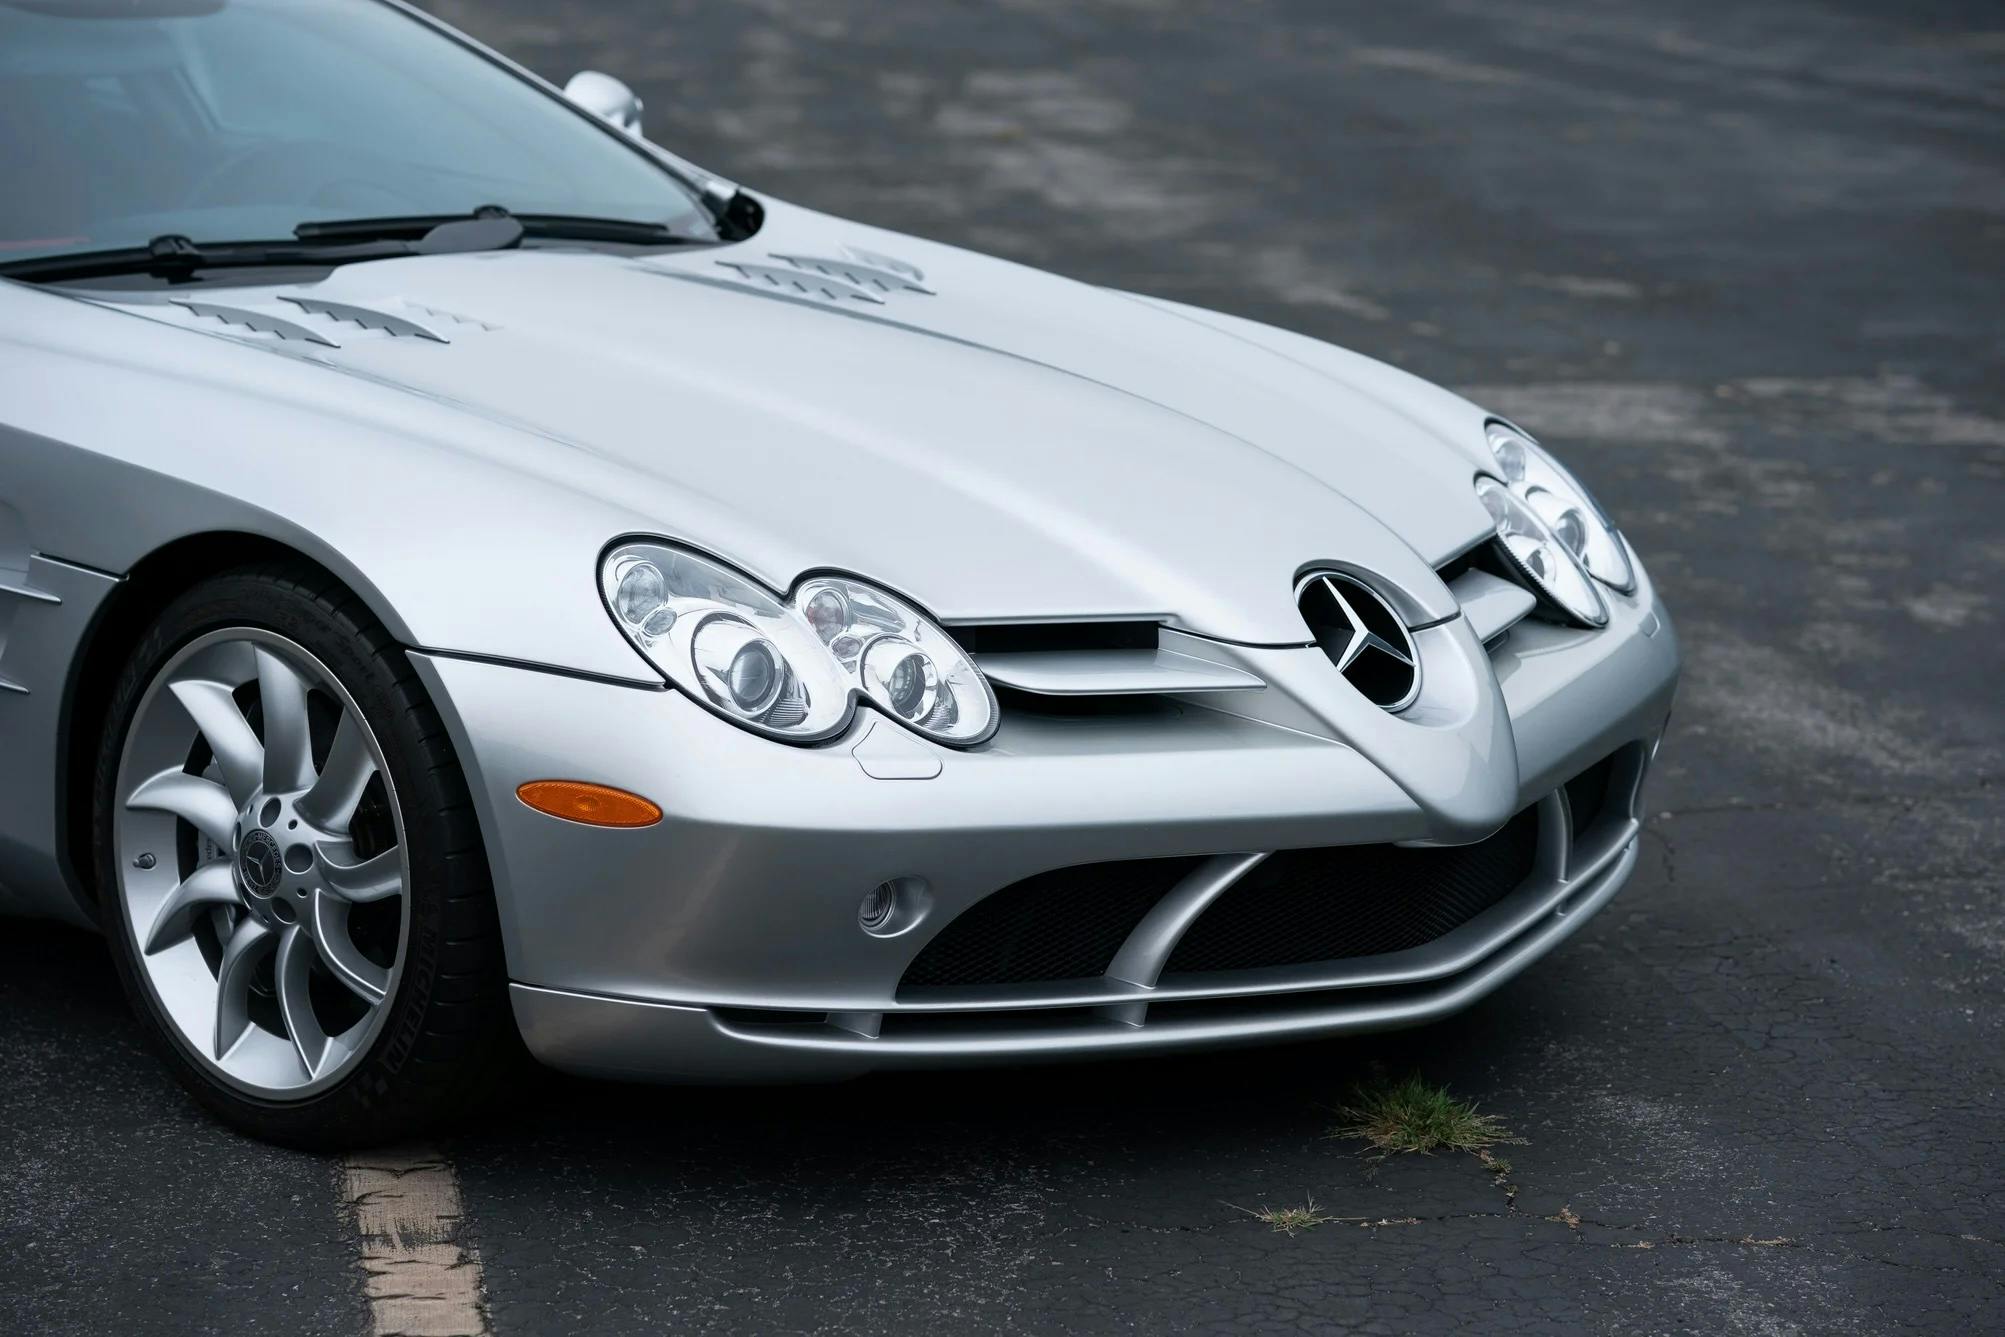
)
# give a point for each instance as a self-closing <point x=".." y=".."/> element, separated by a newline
<point x="1744" y="264"/>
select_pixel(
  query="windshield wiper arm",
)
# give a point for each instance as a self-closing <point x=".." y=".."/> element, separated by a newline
<point x="174" y="256"/>
<point x="554" y="227"/>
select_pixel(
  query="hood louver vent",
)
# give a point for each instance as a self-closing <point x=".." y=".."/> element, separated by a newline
<point x="327" y="323"/>
<point x="861" y="276"/>
<point x="368" y="318"/>
<point x="261" y="322"/>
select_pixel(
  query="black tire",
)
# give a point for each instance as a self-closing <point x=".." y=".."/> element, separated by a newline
<point x="449" y="1037"/>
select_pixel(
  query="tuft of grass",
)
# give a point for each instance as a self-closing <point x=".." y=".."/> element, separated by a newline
<point x="1290" y="1220"/>
<point x="1410" y="1114"/>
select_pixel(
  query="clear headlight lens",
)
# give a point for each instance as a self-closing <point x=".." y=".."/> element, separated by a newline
<point x="913" y="670"/>
<point x="1566" y="507"/>
<point x="1541" y="553"/>
<point x="726" y="641"/>
<point x="793" y="669"/>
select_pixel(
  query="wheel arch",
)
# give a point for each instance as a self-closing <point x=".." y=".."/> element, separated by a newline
<point x="146" y="588"/>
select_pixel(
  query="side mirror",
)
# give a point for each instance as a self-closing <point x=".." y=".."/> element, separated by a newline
<point x="607" y="98"/>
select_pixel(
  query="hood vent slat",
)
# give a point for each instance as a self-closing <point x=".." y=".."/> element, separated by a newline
<point x="369" y="318"/>
<point x="262" y="322"/>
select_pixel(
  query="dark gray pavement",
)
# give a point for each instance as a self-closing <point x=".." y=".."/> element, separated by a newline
<point x="1745" y="265"/>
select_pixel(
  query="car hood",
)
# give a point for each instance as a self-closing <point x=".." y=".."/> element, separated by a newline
<point x="997" y="442"/>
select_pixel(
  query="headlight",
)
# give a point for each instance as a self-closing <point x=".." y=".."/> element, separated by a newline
<point x="726" y="641"/>
<point x="913" y="670"/>
<point x="1566" y="507"/>
<point x="1538" y="552"/>
<point x="793" y="669"/>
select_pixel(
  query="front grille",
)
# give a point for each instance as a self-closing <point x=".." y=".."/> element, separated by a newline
<point x="1301" y="906"/>
<point x="1062" y="925"/>
<point x="1295" y="907"/>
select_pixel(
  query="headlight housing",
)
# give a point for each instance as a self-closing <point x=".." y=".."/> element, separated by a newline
<point x="793" y="669"/>
<point x="1566" y="508"/>
<point x="1540" y="554"/>
<point x="902" y="661"/>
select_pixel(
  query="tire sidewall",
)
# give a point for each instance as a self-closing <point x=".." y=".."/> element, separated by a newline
<point x="369" y="1093"/>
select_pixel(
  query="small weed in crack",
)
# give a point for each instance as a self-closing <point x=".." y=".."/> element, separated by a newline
<point x="1287" y="1220"/>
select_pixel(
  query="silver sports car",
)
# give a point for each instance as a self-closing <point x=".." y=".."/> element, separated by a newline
<point x="471" y="580"/>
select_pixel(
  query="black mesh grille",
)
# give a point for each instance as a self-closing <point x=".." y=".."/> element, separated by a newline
<point x="1587" y="793"/>
<point x="1300" y="906"/>
<point x="1061" y="925"/>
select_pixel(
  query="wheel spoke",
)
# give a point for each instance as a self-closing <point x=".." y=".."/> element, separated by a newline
<point x="367" y="980"/>
<point x="209" y="885"/>
<point x="293" y="976"/>
<point x="288" y="747"/>
<point x="239" y="754"/>
<point x="371" y="879"/>
<point x="241" y="955"/>
<point x="330" y="804"/>
<point x="203" y="804"/>
<point x="256" y="1004"/>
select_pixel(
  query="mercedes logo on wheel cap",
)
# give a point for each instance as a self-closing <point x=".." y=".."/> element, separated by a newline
<point x="1363" y="637"/>
<point x="258" y="864"/>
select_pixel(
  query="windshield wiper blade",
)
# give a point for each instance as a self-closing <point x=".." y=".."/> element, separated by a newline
<point x="554" y="227"/>
<point x="174" y="256"/>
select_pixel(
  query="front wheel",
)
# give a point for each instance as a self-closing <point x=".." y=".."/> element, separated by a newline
<point x="293" y="883"/>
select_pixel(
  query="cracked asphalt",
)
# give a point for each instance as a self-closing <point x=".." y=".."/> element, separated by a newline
<point x="1744" y="265"/>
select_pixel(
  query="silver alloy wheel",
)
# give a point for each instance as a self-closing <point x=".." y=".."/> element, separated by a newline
<point x="266" y="891"/>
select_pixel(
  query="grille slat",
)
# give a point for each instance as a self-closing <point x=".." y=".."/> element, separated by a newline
<point x="1587" y="793"/>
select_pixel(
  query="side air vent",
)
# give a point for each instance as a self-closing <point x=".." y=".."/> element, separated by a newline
<point x="1363" y="637"/>
<point x="999" y="638"/>
<point x="1096" y="660"/>
<point x="1492" y="604"/>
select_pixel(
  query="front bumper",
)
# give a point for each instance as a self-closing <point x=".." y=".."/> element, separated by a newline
<point x="723" y="943"/>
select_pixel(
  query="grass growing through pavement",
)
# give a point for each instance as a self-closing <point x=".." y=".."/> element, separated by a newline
<point x="1289" y="1220"/>
<point x="1415" y="1115"/>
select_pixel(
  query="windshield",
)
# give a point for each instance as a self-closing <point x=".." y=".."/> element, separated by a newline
<point x="223" y="120"/>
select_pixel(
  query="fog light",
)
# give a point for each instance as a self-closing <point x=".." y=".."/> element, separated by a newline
<point x="879" y="904"/>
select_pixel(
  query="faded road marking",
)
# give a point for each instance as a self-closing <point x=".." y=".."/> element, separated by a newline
<point x="422" y="1278"/>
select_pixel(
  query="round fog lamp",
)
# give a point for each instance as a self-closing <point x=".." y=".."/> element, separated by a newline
<point x="879" y="904"/>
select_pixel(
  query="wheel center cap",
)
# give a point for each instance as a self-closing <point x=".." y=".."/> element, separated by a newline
<point x="259" y="864"/>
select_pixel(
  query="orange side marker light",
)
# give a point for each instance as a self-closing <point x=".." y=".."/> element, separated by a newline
<point x="592" y="805"/>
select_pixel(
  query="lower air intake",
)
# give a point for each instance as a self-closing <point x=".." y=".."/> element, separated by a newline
<point x="1302" y="906"/>
<point x="1295" y="907"/>
<point x="1062" y="925"/>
